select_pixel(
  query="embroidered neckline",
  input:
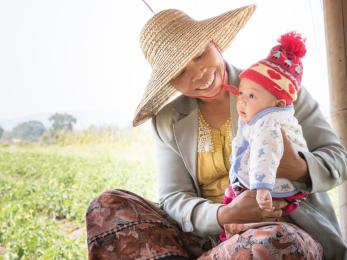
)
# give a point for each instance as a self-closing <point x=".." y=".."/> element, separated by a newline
<point x="226" y="123"/>
<point x="207" y="134"/>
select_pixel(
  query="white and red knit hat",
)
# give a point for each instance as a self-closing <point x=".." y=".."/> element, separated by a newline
<point x="280" y="73"/>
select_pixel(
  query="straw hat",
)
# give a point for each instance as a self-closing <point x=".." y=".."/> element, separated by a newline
<point x="170" y="39"/>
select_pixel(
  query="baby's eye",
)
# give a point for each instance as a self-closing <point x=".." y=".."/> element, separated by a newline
<point x="251" y="96"/>
<point x="240" y="93"/>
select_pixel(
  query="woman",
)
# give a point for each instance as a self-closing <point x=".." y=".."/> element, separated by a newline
<point x="193" y="133"/>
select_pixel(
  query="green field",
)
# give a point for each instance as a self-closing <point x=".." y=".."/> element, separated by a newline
<point x="45" y="190"/>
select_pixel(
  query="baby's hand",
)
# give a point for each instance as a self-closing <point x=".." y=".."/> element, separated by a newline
<point x="264" y="199"/>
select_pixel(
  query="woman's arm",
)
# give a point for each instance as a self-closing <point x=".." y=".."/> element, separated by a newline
<point x="326" y="162"/>
<point x="179" y="198"/>
<point x="178" y="195"/>
<point x="292" y="163"/>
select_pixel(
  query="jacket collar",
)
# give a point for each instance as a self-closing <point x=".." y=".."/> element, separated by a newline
<point x="186" y="135"/>
<point x="186" y="105"/>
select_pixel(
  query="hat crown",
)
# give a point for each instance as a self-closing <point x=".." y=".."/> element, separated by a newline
<point x="161" y="35"/>
<point x="281" y="71"/>
<point x="287" y="55"/>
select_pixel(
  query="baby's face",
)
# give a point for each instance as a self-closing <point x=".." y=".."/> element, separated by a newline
<point x="252" y="99"/>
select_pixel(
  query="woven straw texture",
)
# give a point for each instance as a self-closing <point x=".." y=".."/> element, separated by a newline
<point x="169" y="40"/>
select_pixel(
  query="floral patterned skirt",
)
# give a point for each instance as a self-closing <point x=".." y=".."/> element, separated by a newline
<point x="265" y="240"/>
<point x="123" y="225"/>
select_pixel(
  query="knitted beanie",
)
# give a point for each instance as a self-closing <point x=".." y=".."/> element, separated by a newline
<point x="280" y="73"/>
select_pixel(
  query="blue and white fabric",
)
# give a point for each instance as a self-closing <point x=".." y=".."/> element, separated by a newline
<point x="258" y="148"/>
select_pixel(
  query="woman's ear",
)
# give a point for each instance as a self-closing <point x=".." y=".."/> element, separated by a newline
<point x="281" y="103"/>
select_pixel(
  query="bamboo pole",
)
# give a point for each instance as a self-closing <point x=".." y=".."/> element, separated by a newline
<point x="335" y="16"/>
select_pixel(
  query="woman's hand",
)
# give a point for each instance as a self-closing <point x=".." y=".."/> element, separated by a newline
<point x="245" y="209"/>
<point x="292" y="166"/>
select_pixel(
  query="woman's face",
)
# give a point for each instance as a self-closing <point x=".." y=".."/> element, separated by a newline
<point x="202" y="77"/>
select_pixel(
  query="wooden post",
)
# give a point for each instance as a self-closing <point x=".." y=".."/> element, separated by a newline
<point x="335" y="16"/>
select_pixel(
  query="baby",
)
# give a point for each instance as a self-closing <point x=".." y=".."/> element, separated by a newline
<point x="264" y="104"/>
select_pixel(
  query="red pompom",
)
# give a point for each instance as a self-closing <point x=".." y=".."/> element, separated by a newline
<point x="294" y="43"/>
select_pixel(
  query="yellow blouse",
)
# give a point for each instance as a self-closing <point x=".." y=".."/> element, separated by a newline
<point x="214" y="148"/>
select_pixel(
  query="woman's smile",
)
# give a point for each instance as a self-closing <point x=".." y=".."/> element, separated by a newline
<point x="202" y="76"/>
<point x="207" y="85"/>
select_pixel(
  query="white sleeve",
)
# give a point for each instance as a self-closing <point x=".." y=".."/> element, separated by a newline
<point x="266" y="151"/>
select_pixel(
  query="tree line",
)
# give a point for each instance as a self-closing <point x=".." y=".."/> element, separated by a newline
<point x="35" y="130"/>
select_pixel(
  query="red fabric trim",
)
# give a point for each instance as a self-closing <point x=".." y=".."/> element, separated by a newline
<point x="267" y="83"/>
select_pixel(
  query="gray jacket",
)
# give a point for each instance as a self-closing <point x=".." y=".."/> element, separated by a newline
<point x="176" y="129"/>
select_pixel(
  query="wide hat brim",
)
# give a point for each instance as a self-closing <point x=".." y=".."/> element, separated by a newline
<point x="177" y="50"/>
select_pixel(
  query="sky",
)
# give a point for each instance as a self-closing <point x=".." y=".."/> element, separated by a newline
<point x="84" y="55"/>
